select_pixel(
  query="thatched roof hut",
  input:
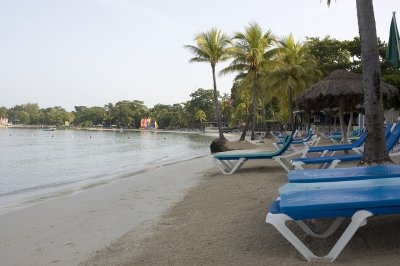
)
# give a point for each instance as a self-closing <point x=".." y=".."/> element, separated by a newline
<point x="340" y="85"/>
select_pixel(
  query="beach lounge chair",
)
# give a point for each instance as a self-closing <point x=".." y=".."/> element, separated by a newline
<point x="229" y="162"/>
<point x="343" y="174"/>
<point x="357" y="201"/>
<point x="309" y="140"/>
<point x="332" y="161"/>
<point x="332" y="149"/>
<point x="337" y="136"/>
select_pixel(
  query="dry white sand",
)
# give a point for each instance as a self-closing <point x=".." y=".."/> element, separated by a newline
<point x="70" y="229"/>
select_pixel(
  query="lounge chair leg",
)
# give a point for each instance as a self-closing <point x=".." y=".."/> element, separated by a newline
<point x="222" y="166"/>
<point x="334" y="163"/>
<point x="328" y="232"/>
<point x="357" y="220"/>
<point x="226" y="167"/>
<point x="278" y="221"/>
<point x="298" y="165"/>
<point x="240" y="162"/>
<point x="280" y="160"/>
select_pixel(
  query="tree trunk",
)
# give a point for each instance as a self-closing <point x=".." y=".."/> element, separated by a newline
<point x="349" y="127"/>
<point x="291" y="117"/>
<point x="217" y="111"/>
<point x="246" y="127"/>
<point x="252" y="113"/>
<point x="254" y="104"/>
<point x="341" y="118"/>
<point x="375" y="150"/>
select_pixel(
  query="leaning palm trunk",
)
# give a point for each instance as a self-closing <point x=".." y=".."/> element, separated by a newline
<point x="217" y="111"/>
<point x="375" y="146"/>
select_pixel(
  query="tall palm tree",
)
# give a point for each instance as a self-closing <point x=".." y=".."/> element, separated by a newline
<point x="375" y="145"/>
<point x="295" y="71"/>
<point x="212" y="47"/>
<point x="248" y="52"/>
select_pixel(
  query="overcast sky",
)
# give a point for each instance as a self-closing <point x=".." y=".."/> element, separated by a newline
<point x="92" y="52"/>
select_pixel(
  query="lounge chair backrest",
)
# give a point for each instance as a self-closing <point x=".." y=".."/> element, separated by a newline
<point x="392" y="140"/>
<point x="309" y="135"/>
<point x="286" y="143"/>
<point x="360" y="141"/>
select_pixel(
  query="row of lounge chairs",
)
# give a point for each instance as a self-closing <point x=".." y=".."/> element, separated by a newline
<point x="355" y="192"/>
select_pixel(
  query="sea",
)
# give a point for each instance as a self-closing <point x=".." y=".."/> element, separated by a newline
<point x="36" y="165"/>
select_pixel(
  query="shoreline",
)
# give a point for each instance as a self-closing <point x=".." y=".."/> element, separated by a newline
<point x="17" y="200"/>
<point x="69" y="229"/>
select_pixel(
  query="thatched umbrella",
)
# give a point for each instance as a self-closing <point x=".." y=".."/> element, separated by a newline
<point x="341" y="89"/>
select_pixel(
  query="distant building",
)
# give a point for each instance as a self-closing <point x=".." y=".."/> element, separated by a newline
<point x="3" y="121"/>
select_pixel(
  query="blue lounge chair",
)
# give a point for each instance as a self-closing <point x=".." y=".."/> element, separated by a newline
<point x="343" y="174"/>
<point x="337" y="136"/>
<point x="331" y="149"/>
<point x="357" y="202"/>
<point x="327" y="150"/>
<point x="309" y="140"/>
<point x="332" y="161"/>
<point x="229" y="162"/>
<point x="348" y="183"/>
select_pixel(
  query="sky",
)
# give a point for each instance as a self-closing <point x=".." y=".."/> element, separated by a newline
<point x="94" y="52"/>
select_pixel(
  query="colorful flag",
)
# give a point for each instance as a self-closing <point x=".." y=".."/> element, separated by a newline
<point x="393" y="49"/>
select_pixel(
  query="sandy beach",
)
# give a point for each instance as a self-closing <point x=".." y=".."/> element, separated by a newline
<point x="70" y="229"/>
<point x="182" y="214"/>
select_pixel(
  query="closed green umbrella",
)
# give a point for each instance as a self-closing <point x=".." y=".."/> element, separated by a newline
<point x="393" y="49"/>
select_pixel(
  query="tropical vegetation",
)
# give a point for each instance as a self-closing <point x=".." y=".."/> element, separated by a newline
<point x="269" y="71"/>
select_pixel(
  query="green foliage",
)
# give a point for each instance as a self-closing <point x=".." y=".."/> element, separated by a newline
<point x="394" y="80"/>
<point x="330" y="54"/>
<point x="3" y="112"/>
<point x="84" y="114"/>
<point x="201" y="99"/>
<point x="55" y="116"/>
<point x="211" y="47"/>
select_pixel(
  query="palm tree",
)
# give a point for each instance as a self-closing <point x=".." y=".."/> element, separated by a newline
<point x="249" y="58"/>
<point x="200" y="116"/>
<point x="212" y="47"/>
<point x="295" y="71"/>
<point x="375" y="145"/>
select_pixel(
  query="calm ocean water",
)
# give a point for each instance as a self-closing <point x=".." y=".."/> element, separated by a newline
<point x="36" y="162"/>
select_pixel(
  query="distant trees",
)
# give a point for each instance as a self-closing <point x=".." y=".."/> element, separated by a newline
<point x="31" y="114"/>
<point x="269" y="74"/>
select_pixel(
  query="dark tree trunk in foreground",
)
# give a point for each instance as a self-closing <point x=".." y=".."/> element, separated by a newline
<point x="217" y="111"/>
<point x="375" y="146"/>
